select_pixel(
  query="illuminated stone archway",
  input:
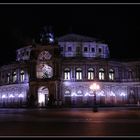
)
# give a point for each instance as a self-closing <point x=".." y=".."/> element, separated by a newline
<point x="43" y="96"/>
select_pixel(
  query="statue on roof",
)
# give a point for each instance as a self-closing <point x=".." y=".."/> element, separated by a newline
<point x="46" y="36"/>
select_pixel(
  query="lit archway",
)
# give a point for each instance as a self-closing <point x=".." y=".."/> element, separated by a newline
<point x="43" y="96"/>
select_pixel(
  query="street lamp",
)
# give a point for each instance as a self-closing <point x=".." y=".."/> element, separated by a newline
<point x="94" y="87"/>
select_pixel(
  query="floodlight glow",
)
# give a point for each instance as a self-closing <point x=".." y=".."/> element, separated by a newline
<point x="3" y="96"/>
<point x="20" y="95"/>
<point x="122" y="94"/>
<point x="67" y="95"/>
<point x="101" y="94"/>
<point x="97" y="87"/>
<point x="79" y="95"/>
<point x="112" y="94"/>
<point x="73" y="94"/>
<point x="67" y="83"/>
<point x="11" y="96"/>
<point x="94" y="86"/>
<point x="51" y="39"/>
<point x="87" y="94"/>
<point x="41" y="98"/>
<point x="91" y="95"/>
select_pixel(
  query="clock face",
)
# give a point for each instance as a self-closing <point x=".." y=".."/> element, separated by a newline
<point x="45" y="55"/>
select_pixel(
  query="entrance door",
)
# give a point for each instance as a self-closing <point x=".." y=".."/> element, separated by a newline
<point x="43" y="99"/>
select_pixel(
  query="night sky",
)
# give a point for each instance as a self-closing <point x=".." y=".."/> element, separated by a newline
<point x="116" y="25"/>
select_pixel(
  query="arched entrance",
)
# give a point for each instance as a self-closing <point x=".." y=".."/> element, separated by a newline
<point x="43" y="96"/>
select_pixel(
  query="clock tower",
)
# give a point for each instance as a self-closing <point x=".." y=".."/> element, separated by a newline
<point x="45" y="74"/>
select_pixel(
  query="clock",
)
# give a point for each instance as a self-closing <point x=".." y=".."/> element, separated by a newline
<point x="44" y="55"/>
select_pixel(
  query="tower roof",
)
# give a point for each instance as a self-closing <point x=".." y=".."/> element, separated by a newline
<point x="75" y="38"/>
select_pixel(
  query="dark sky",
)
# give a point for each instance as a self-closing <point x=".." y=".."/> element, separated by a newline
<point x="117" y="25"/>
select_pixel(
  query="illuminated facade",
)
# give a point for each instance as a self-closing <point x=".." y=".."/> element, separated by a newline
<point x="61" y="73"/>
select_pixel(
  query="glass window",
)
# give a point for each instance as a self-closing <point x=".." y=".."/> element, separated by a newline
<point x="69" y="49"/>
<point x="101" y="74"/>
<point x="90" y="74"/>
<point x="67" y="93"/>
<point x="130" y="75"/>
<point x="85" y="49"/>
<point x="111" y="74"/>
<point x="22" y="76"/>
<point x="92" y="49"/>
<point x="66" y="74"/>
<point x="14" y="76"/>
<point x="8" y="77"/>
<point x="78" y="74"/>
<point x="78" y="51"/>
<point x="100" y="50"/>
<point x="79" y="92"/>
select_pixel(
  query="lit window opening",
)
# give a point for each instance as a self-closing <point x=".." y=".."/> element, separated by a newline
<point x="8" y="77"/>
<point x="101" y="74"/>
<point x="67" y="74"/>
<point x="22" y="76"/>
<point x="78" y="74"/>
<point x="67" y="93"/>
<point x="79" y="93"/>
<point x="14" y="76"/>
<point x="111" y="74"/>
<point x="90" y="74"/>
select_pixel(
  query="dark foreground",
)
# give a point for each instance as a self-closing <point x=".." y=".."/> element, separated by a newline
<point x="70" y="122"/>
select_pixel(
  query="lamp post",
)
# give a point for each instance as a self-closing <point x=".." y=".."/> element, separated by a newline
<point x="94" y="87"/>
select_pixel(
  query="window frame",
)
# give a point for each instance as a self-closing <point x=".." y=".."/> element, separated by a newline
<point x="78" y="73"/>
<point x="101" y="74"/>
<point x="67" y="74"/>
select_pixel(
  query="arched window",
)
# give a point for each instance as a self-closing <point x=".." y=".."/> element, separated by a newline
<point x="14" y="76"/>
<point x="111" y="74"/>
<point x="93" y="49"/>
<point x="100" y="50"/>
<point x="101" y="74"/>
<point x="78" y="74"/>
<point x="69" y="49"/>
<point x="66" y="74"/>
<point x="79" y="92"/>
<point x="90" y="74"/>
<point x="130" y="74"/>
<point x="8" y="78"/>
<point x="22" y="75"/>
<point x="67" y="93"/>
